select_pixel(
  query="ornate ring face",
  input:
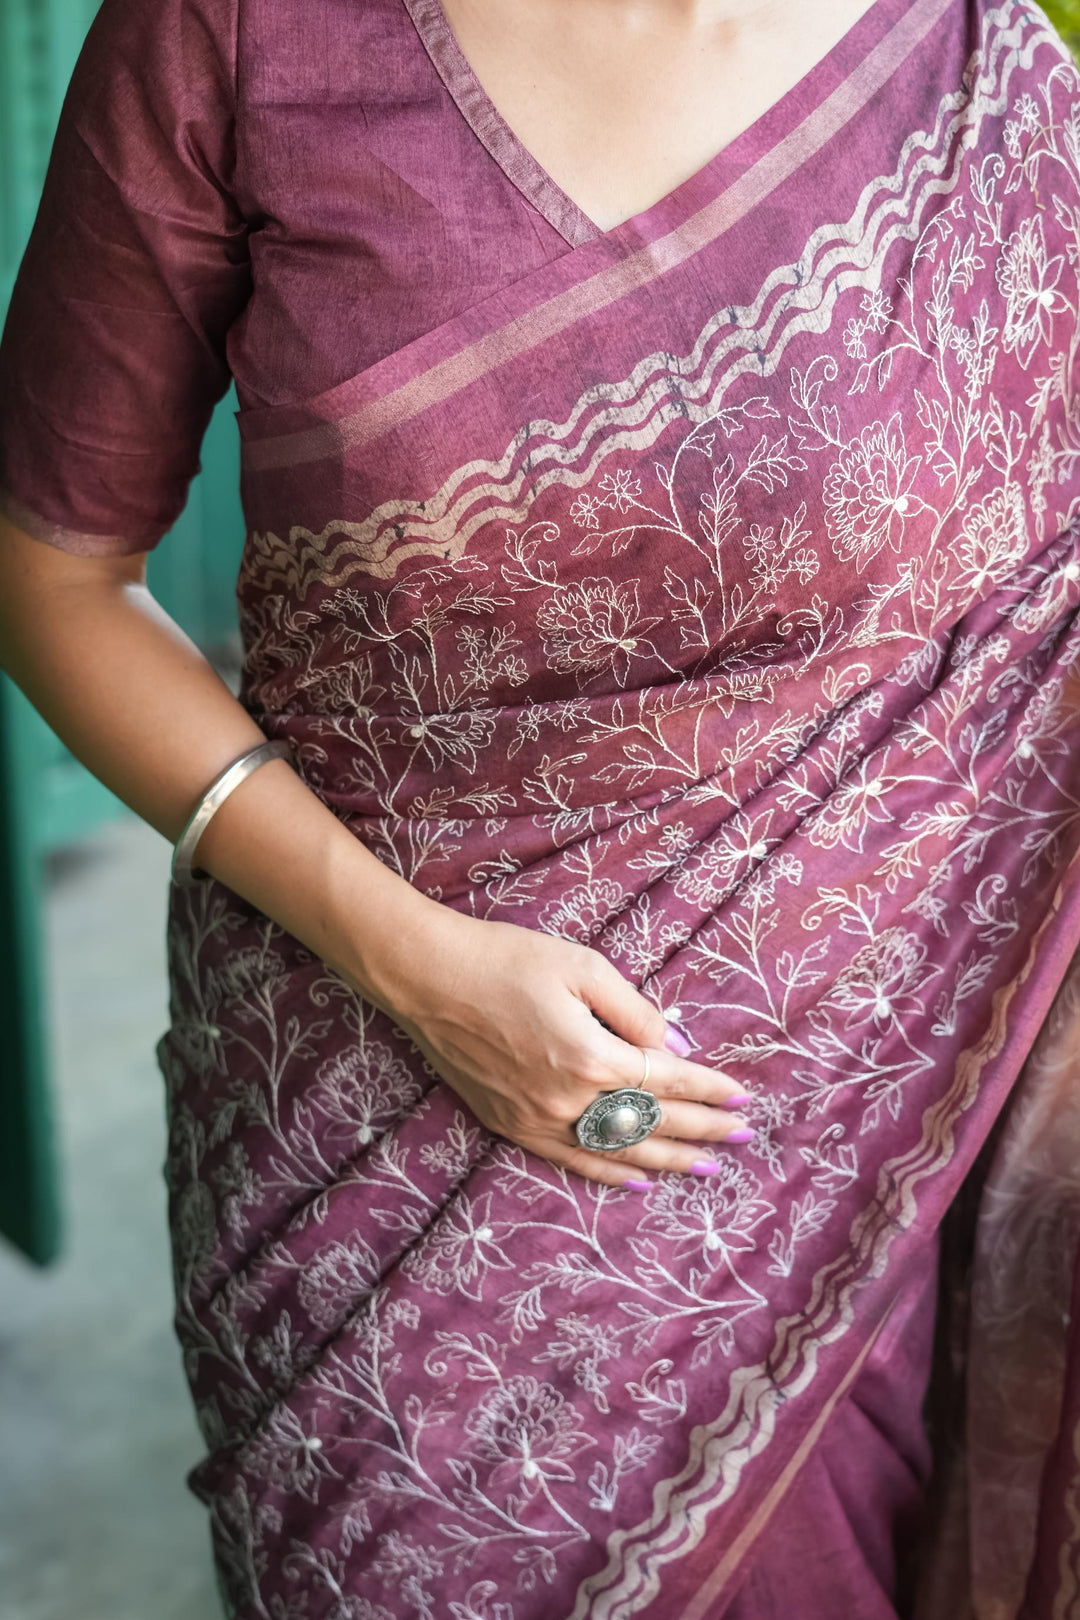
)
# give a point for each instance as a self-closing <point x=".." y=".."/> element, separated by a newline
<point x="618" y="1119"/>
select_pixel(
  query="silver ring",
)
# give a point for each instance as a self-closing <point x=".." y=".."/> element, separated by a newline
<point x="619" y="1119"/>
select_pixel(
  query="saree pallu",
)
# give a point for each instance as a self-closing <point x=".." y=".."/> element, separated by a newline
<point x="709" y="597"/>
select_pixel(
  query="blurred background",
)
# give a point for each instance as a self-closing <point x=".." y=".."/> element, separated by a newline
<point x="96" y="1431"/>
<point x="96" y="1428"/>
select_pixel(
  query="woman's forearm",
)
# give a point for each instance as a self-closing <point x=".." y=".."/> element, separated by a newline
<point x="140" y="706"/>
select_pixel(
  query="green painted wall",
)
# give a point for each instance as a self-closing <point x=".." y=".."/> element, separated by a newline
<point x="46" y="798"/>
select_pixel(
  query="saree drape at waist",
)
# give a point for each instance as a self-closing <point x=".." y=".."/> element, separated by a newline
<point x="708" y="597"/>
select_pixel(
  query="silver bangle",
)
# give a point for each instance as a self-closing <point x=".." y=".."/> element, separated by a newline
<point x="214" y="798"/>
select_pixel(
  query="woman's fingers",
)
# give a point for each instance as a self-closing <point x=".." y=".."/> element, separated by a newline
<point x="628" y="1022"/>
<point x="665" y="1153"/>
<point x="690" y="1152"/>
<point x="691" y="1122"/>
<point x="602" y="1167"/>
<point x="669" y="1076"/>
<point x="682" y="1142"/>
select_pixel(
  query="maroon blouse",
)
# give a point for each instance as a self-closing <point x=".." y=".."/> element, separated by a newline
<point x="223" y="198"/>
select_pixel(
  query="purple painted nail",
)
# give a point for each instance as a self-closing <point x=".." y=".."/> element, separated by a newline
<point x="676" y="1041"/>
<point x="735" y="1103"/>
<point x="638" y="1186"/>
<point x="705" y="1167"/>
<point x="742" y="1135"/>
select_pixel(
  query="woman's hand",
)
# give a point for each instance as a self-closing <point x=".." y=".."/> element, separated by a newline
<point x="506" y="1016"/>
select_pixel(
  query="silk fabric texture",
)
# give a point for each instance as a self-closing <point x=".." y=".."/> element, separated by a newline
<point x="702" y="590"/>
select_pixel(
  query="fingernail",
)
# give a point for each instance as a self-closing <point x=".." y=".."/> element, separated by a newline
<point x="705" y="1167"/>
<point x="676" y="1041"/>
<point x="733" y="1104"/>
<point x="638" y="1186"/>
<point x="742" y="1135"/>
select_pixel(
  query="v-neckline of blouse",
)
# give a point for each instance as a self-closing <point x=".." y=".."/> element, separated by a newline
<point x="545" y="194"/>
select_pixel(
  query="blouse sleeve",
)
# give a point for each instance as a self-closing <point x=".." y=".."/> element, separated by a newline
<point x="114" y="350"/>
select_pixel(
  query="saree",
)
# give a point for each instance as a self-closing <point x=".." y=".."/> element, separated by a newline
<point x="704" y="592"/>
<point x="708" y="596"/>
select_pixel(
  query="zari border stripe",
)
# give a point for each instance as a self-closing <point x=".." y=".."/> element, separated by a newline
<point x="494" y="349"/>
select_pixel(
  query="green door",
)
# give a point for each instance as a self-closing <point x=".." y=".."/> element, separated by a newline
<point x="47" y="799"/>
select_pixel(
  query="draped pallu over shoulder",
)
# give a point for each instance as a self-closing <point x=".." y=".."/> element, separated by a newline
<point x="707" y="596"/>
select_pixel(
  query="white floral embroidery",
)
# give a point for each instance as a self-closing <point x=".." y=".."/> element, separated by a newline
<point x="869" y="495"/>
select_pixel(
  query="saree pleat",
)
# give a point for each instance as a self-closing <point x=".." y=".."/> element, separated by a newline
<point x="708" y="596"/>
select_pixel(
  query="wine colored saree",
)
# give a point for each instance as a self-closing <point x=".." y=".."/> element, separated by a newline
<point x="704" y="590"/>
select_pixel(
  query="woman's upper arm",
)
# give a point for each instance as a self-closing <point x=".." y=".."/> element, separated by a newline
<point x="114" y="350"/>
<point x="32" y="569"/>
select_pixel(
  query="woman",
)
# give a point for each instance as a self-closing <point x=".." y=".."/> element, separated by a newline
<point x="660" y="463"/>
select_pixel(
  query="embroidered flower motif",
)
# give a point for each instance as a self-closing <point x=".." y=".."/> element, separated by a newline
<point x="883" y="979"/>
<point x="1040" y="733"/>
<point x="361" y="1091"/>
<point x="848" y="725"/>
<point x="715" y="1217"/>
<point x="279" y="1351"/>
<point x="581" y="1336"/>
<point x="993" y="541"/>
<point x="712" y="872"/>
<point x="400" y="1560"/>
<point x="515" y="669"/>
<point x="594" y="624"/>
<point x="877" y="310"/>
<point x="335" y="1280"/>
<point x="854" y="339"/>
<point x="934" y="908"/>
<point x="868" y="493"/>
<point x="584" y="1344"/>
<point x="805" y="564"/>
<point x="759" y="888"/>
<point x="676" y="838"/>
<point x="620" y="490"/>
<point x="245" y="972"/>
<point x="1040" y="469"/>
<point x="197" y="1042"/>
<point x="759" y="544"/>
<point x="451" y="739"/>
<point x="457" y="1252"/>
<point x="845" y="817"/>
<point x="582" y="910"/>
<point x="1029" y="281"/>
<point x="586" y="510"/>
<point x="288" y="1453"/>
<point x="528" y="1431"/>
<point x="240" y="1186"/>
<point x="452" y="1153"/>
<point x="194" y="1228"/>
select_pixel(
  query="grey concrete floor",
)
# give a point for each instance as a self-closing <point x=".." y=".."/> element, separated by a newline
<point x="96" y="1428"/>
